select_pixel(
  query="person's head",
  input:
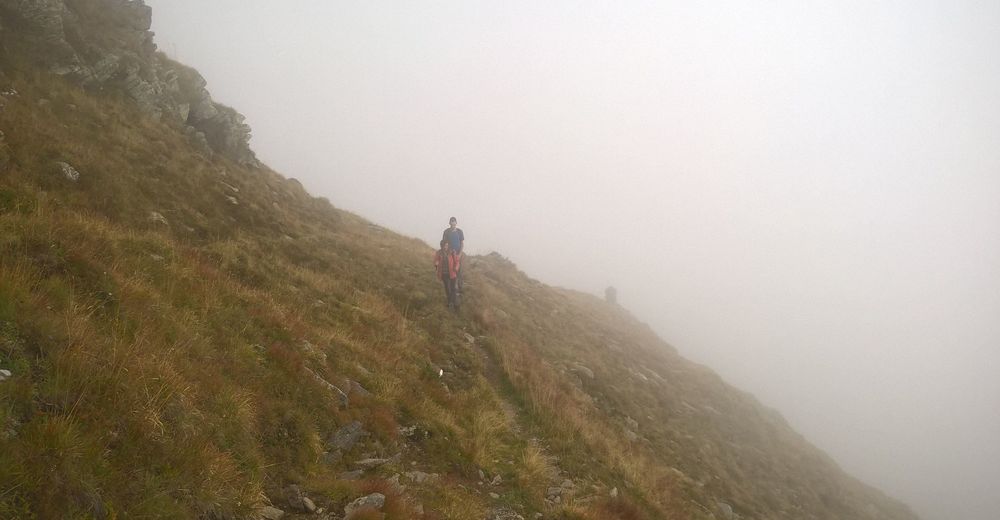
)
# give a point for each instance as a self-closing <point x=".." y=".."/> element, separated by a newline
<point x="445" y="245"/>
<point x="453" y="222"/>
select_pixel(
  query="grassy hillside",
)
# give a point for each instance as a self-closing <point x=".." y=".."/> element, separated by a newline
<point x="187" y="337"/>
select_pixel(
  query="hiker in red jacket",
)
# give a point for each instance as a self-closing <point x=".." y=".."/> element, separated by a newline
<point x="447" y="264"/>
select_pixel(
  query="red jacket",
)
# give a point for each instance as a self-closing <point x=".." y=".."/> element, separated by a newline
<point x="454" y="264"/>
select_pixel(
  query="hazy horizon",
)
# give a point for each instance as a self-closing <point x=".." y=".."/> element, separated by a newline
<point x="804" y="197"/>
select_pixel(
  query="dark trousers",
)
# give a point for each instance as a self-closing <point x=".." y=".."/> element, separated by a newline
<point x="450" y="290"/>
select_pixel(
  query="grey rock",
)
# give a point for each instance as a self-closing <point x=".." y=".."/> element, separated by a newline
<point x="503" y="513"/>
<point x="331" y="457"/>
<point x="199" y="139"/>
<point x="184" y="111"/>
<point x="554" y="491"/>
<point x="204" y="109"/>
<point x="396" y="486"/>
<point x="494" y="496"/>
<point x="270" y="513"/>
<point x="354" y="388"/>
<point x="298" y="501"/>
<point x="143" y="92"/>
<point x="105" y="68"/>
<point x="158" y="218"/>
<point x="725" y="511"/>
<point x="351" y="475"/>
<point x="614" y="492"/>
<point x="631" y="435"/>
<point x="582" y="369"/>
<point x="68" y="171"/>
<point x="373" y="501"/>
<point x="344" y="400"/>
<point x="497" y="480"/>
<point x="374" y="462"/>
<point x="632" y="423"/>
<point x="420" y="477"/>
<point x="4" y="374"/>
<point x="347" y="436"/>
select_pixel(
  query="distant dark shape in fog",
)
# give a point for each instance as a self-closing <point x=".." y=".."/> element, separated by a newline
<point x="802" y="195"/>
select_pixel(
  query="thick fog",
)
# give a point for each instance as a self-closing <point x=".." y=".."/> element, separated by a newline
<point x="804" y="196"/>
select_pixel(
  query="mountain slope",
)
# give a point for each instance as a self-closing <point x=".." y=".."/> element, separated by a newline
<point x="189" y="334"/>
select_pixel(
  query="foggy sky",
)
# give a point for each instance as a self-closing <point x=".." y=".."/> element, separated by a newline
<point x="804" y="196"/>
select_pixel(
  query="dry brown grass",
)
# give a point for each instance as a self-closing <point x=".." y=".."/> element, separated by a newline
<point x="162" y="370"/>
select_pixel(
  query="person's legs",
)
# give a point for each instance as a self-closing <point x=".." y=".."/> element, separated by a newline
<point x="447" y="291"/>
<point x="453" y="286"/>
<point x="461" y="270"/>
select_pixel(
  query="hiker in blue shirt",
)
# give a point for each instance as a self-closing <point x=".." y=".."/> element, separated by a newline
<point x="456" y="239"/>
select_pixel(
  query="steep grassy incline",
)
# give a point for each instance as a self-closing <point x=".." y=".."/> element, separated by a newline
<point x="187" y="337"/>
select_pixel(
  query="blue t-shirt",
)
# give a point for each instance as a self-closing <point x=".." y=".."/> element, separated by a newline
<point x="454" y="238"/>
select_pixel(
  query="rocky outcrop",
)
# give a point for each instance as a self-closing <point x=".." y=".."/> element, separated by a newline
<point x="107" y="44"/>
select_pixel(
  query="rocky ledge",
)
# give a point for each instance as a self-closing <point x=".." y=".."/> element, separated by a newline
<point x="107" y="44"/>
